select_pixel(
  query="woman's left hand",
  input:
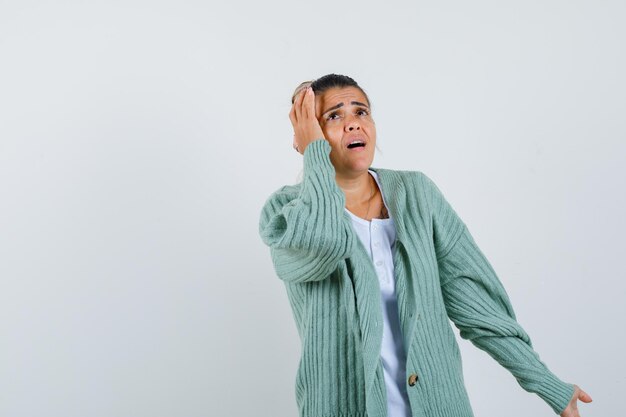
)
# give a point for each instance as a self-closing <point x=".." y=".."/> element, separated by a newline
<point x="572" y="408"/>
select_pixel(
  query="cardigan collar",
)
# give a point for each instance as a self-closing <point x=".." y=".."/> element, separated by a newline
<point x="395" y="196"/>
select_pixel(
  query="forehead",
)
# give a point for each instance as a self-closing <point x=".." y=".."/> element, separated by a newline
<point x="341" y="95"/>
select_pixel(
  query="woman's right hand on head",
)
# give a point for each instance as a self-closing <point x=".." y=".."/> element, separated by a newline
<point x="305" y="125"/>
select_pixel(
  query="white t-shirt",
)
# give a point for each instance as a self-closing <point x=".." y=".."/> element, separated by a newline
<point x="378" y="237"/>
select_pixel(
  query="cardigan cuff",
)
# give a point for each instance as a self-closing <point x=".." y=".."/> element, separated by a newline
<point x="317" y="153"/>
<point x="555" y="392"/>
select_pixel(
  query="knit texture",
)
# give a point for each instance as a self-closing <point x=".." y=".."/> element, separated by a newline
<point x="441" y="276"/>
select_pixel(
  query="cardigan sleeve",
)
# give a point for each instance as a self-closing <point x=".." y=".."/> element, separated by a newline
<point x="307" y="232"/>
<point x="479" y="306"/>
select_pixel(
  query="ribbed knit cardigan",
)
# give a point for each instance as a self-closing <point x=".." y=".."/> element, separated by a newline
<point x="440" y="274"/>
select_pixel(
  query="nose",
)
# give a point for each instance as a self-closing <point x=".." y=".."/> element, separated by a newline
<point x="352" y="124"/>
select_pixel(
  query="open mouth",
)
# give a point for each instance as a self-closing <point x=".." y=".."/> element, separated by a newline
<point x="356" y="144"/>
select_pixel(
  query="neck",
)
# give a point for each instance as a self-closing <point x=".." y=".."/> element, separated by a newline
<point x="358" y="188"/>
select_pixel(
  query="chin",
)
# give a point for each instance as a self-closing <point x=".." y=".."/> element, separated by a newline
<point x="362" y="165"/>
<point x="359" y="164"/>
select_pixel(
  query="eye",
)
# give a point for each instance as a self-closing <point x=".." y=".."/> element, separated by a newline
<point x="332" y="116"/>
<point x="362" y="112"/>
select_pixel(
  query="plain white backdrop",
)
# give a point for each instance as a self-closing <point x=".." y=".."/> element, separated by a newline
<point x="139" y="141"/>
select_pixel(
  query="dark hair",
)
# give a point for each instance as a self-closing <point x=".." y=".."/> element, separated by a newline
<point x="327" y="82"/>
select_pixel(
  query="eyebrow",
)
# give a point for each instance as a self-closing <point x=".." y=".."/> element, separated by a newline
<point x="356" y="103"/>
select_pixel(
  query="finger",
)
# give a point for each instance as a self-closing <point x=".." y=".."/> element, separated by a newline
<point x="298" y="104"/>
<point x="309" y="103"/>
<point x="313" y="109"/>
<point x="584" y="397"/>
<point x="309" y="100"/>
<point x="292" y="116"/>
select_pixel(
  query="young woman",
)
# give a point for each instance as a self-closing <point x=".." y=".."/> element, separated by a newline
<point x="376" y="263"/>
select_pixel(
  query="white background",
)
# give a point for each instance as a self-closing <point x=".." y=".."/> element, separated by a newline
<point x="139" y="140"/>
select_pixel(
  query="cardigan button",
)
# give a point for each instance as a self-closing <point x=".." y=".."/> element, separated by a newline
<point x="412" y="379"/>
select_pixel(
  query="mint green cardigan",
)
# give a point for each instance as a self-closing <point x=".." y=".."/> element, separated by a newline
<point x="440" y="274"/>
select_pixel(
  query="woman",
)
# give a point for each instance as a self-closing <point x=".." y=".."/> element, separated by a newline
<point x="376" y="262"/>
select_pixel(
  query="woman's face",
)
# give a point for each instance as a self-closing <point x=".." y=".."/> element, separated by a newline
<point x="344" y="116"/>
